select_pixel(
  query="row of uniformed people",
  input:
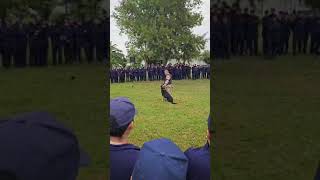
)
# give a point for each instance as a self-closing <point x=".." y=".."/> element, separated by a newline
<point x="236" y="32"/>
<point x="156" y="72"/>
<point x="69" y="37"/>
<point x="157" y="159"/>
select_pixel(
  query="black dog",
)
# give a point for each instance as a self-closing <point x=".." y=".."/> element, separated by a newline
<point x="166" y="95"/>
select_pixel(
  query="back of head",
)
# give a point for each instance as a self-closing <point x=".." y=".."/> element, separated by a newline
<point x="38" y="147"/>
<point x="122" y="112"/>
<point x="160" y="159"/>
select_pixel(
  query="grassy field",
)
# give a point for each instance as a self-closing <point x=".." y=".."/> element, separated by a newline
<point x="267" y="118"/>
<point x="79" y="104"/>
<point x="185" y="123"/>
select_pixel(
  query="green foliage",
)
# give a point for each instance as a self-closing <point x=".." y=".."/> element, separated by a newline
<point x="160" y="30"/>
<point x="205" y="56"/>
<point x="117" y="57"/>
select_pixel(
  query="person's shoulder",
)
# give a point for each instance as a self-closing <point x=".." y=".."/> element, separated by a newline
<point x="124" y="147"/>
<point x="199" y="151"/>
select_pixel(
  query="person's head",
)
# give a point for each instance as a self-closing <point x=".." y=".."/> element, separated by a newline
<point x="166" y="72"/>
<point x="122" y="112"/>
<point x="36" y="146"/>
<point x="160" y="159"/>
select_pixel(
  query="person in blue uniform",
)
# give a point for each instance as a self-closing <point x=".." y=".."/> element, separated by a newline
<point x="5" y="45"/>
<point x="160" y="159"/>
<point x="298" y="35"/>
<point x="199" y="158"/>
<point x="37" y="146"/>
<point x="252" y="33"/>
<point x="56" y="43"/>
<point x="68" y="42"/>
<point x="22" y="43"/>
<point x="123" y="155"/>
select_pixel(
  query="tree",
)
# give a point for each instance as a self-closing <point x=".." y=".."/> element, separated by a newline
<point x="205" y="56"/>
<point x="160" y="30"/>
<point x="117" y="57"/>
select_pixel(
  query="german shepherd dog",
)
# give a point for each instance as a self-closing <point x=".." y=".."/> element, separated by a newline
<point x="166" y="96"/>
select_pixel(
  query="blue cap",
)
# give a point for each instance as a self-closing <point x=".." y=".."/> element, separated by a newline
<point x="35" y="146"/>
<point x="122" y="112"/>
<point x="160" y="159"/>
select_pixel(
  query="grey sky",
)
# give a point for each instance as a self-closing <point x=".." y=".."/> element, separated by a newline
<point x="120" y="40"/>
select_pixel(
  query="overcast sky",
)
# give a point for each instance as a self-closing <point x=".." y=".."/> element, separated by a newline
<point x="120" y="40"/>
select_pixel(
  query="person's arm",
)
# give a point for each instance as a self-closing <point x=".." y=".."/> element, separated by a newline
<point x="166" y="81"/>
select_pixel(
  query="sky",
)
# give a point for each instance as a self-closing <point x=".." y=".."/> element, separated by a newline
<point x="120" y="40"/>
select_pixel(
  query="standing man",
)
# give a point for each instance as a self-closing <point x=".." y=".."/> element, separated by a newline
<point x="56" y="43"/>
<point x="298" y="34"/>
<point x="123" y="155"/>
<point x="20" y="45"/>
<point x="68" y="42"/>
<point x="168" y="83"/>
<point x="252" y="33"/>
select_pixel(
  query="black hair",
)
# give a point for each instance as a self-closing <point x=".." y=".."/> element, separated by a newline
<point x="6" y="175"/>
<point x="116" y="131"/>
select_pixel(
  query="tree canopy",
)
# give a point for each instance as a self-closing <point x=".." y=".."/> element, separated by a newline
<point x="117" y="57"/>
<point x="161" y="30"/>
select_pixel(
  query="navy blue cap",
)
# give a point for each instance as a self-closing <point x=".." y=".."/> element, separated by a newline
<point x="122" y="110"/>
<point x="160" y="159"/>
<point x="36" y="146"/>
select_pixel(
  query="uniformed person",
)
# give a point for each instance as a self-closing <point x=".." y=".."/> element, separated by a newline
<point x="168" y="82"/>
<point x="123" y="155"/>
<point x="33" y="33"/>
<point x="56" y="43"/>
<point x="252" y="33"/>
<point x="68" y="42"/>
<point x="199" y="158"/>
<point x="20" y="45"/>
<point x="160" y="159"/>
<point x="298" y="34"/>
<point x="265" y="31"/>
<point x="88" y="40"/>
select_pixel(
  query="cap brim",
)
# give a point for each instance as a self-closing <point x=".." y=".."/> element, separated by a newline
<point x="84" y="159"/>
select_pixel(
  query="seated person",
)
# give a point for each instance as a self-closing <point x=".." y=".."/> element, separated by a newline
<point x="35" y="146"/>
<point x="199" y="159"/>
<point x="122" y="154"/>
<point x="160" y="159"/>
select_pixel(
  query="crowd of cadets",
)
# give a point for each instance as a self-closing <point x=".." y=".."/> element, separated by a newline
<point x="69" y="37"/>
<point x="236" y="31"/>
<point x="156" y="72"/>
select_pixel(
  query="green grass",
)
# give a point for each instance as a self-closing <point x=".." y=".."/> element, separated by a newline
<point x="79" y="104"/>
<point x="185" y="123"/>
<point x="267" y="118"/>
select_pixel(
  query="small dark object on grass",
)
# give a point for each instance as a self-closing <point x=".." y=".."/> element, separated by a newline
<point x="73" y="77"/>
